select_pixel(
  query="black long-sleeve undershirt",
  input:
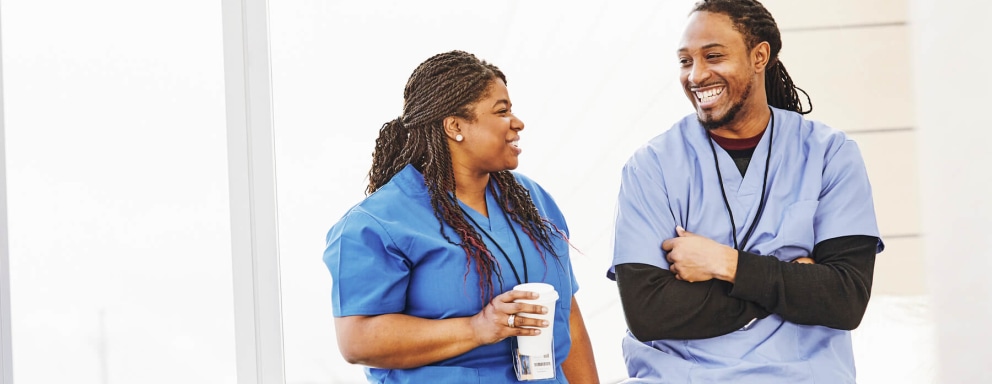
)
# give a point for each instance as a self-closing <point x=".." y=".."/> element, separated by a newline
<point x="834" y="292"/>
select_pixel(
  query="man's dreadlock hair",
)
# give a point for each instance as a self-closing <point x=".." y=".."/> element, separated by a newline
<point x="752" y="20"/>
<point x="449" y="84"/>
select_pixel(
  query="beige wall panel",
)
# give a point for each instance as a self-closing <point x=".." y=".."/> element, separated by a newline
<point x="891" y="159"/>
<point x="793" y="14"/>
<point x="857" y="78"/>
<point x="899" y="270"/>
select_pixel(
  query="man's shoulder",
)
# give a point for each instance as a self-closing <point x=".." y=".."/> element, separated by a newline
<point x="811" y="132"/>
<point x="670" y="143"/>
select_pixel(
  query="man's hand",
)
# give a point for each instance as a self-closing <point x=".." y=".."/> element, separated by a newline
<point x="695" y="258"/>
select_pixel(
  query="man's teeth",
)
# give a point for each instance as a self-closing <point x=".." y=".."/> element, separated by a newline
<point x="709" y="94"/>
<point x="515" y="143"/>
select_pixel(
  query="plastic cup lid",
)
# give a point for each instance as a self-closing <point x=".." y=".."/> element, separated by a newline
<point x="546" y="290"/>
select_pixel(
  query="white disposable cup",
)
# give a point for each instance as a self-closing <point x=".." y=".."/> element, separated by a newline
<point x="542" y="344"/>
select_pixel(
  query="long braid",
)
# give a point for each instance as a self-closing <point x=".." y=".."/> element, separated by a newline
<point x="516" y="200"/>
<point x="781" y="92"/>
<point x="448" y="84"/>
<point x="751" y="19"/>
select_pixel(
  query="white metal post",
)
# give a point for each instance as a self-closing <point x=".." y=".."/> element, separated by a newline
<point x="251" y="166"/>
<point x="6" y="359"/>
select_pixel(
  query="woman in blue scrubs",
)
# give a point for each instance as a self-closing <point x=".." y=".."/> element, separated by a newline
<point x="423" y="268"/>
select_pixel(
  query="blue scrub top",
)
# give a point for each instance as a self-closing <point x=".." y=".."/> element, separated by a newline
<point x="387" y="255"/>
<point x="818" y="189"/>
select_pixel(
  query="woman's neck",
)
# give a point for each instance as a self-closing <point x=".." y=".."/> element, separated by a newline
<point x="471" y="189"/>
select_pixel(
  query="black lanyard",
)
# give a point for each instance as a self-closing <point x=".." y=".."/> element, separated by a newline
<point x="505" y="255"/>
<point x="764" y="185"/>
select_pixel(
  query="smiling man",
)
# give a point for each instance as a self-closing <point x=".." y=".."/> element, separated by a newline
<point x="737" y="270"/>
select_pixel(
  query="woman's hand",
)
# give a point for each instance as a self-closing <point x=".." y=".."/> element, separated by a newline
<point x="494" y="323"/>
<point x="398" y="341"/>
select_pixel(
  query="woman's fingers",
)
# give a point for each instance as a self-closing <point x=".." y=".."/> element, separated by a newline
<point x="522" y="320"/>
<point x="511" y="296"/>
<point x="506" y="303"/>
<point x="495" y="323"/>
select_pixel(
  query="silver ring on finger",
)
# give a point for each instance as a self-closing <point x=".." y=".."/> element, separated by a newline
<point x="511" y="321"/>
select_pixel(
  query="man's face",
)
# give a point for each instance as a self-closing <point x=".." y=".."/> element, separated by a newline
<point x="717" y="73"/>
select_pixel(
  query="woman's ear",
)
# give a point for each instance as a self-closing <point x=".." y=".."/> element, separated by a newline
<point x="452" y="127"/>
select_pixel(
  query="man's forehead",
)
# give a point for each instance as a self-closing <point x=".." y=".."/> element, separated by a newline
<point x="708" y="30"/>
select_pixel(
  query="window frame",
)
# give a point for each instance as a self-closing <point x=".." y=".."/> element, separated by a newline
<point x="251" y="174"/>
<point x="6" y="358"/>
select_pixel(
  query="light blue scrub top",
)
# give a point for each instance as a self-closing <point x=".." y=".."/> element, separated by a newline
<point x="386" y="255"/>
<point x="817" y="190"/>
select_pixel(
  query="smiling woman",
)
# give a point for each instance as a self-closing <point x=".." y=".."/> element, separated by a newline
<point x="420" y="293"/>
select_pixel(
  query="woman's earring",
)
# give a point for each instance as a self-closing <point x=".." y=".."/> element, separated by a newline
<point x="459" y="138"/>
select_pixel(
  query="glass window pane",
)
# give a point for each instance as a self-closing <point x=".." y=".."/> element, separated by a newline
<point x="117" y="175"/>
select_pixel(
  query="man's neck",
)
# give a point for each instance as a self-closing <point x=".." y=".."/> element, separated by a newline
<point x="747" y="124"/>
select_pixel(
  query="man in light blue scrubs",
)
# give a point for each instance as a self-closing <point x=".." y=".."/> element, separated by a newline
<point x="745" y="235"/>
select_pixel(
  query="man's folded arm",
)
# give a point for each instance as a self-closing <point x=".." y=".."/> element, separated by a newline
<point x="658" y="306"/>
<point x="834" y="292"/>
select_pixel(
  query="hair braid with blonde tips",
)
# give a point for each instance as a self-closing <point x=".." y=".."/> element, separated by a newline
<point x="449" y="84"/>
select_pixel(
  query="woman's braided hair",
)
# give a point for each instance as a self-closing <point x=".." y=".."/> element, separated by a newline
<point x="449" y="84"/>
<point x="752" y="20"/>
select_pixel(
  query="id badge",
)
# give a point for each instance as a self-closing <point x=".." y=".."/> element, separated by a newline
<point x="532" y="367"/>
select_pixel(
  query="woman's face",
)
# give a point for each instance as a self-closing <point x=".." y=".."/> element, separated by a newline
<point x="490" y="141"/>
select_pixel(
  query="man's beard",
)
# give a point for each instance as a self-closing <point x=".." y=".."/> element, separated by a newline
<point x="730" y="115"/>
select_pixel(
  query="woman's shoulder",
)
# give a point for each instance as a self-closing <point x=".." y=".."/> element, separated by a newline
<point x="536" y="190"/>
<point x="397" y="201"/>
<point x="526" y="181"/>
<point x="542" y="199"/>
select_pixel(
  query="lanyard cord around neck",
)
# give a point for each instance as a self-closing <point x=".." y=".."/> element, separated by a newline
<point x="505" y="255"/>
<point x="764" y="184"/>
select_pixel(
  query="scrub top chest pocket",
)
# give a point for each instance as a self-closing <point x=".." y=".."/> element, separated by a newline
<point x="796" y="231"/>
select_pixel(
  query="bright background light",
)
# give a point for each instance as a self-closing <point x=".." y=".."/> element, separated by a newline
<point x="117" y="179"/>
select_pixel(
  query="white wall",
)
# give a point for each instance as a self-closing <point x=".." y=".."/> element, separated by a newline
<point x="950" y="56"/>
